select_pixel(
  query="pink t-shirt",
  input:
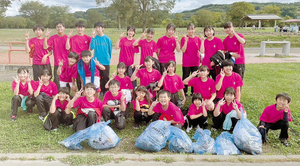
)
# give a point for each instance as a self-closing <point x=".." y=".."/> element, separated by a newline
<point x="108" y="96"/>
<point x="191" y="57"/>
<point x="80" y="43"/>
<point x="194" y="111"/>
<point x="233" y="45"/>
<point x="60" y="105"/>
<point x="172" y="110"/>
<point x="49" y="90"/>
<point x="88" y="73"/>
<point x="125" y="82"/>
<point x="166" y="46"/>
<point x="272" y="115"/>
<point x="228" y="108"/>
<point x="234" y="81"/>
<point x="68" y="72"/>
<point x="147" y="49"/>
<point x="127" y="51"/>
<point x="39" y="51"/>
<point x="23" y="89"/>
<point x="82" y="102"/>
<point x="58" y="45"/>
<point x="173" y="83"/>
<point x="148" y="77"/>
<point x="142" y="103"/>
<point x="211" y="47"/>
<point x="204" y="88"/>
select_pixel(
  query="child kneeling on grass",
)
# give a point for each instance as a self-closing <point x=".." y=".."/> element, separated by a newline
<point x="227" y="111"/>
<point x="57" y="113"/>
<point x="23" y="88"/>
<point x="89" y="108"/>
<point x="277" y="116"/>
<point x="164" y="109"/>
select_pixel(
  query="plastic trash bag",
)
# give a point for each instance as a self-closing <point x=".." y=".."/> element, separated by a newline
<point x="204" y="144"/>
<point x="224" y="144"/>
<point x="155" y="136"/>
<point x="100" y="136"/>
<point x="179" y="141"/>
<point x="247" y="137"/>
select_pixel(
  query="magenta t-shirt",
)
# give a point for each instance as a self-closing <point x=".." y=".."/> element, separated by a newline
<point x="172" y="110"/>
<point x="68" y="72"/>
<point x="125" y="82"/>
<point x="88" y="73"/>
<point x="49" y="90"/>
<point x="142" y="103"/>
<point x="147" y="49"/>
<point x="191" y="57"/>
<point x="148" y="77"/>
<point x="108" y="96"/>
<point x="272" y="115"/>
<point x="234" y="81"/>
<point x="233" y="45"/>
<point x="210" y="48"/>
<point x="194" y="111"/>
<point x="80" y="43"/>
<point x="228" y="108"/>
<point x="23" y="89"/>
<point x="173" y="83"/>
<point x="60" y="105"/>
<point x="82" y="102"/>
<point x="127" y="51"/>
<point x="39" y="51"/>
<point x="58" y="45"/>
<point x="204" y="88"/>
<point x="166" y="46"/>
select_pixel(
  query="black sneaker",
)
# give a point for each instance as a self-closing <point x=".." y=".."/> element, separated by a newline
<point x="136" y="126"/>
<point x="284" y="141"/>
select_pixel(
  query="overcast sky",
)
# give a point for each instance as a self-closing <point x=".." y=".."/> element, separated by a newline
<point x="83" y="5"/>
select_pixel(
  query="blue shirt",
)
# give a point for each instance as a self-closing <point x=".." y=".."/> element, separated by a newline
<point x="103" y="48"/>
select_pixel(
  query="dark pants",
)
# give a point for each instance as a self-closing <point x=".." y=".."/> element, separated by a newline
<point x="56" y="77"/>
<point x="219" y="120"/>
<point x="174" y="98"/>
<point x="283" y="126"/>
<point x="60" y="117"/>
<point x="104" y="77"/>
<point x="43" y="103"/>
<point x="163" y="67"/>
<point x="212" y="74"/>
<point x="240" y="69"/>
<point x="138" y="117"/>
<point x="186" y="71"/>
<point x="108" y="114"/>
<point x="129" y="74"/>
<point x="201" y="121"/>
<point x="16" y="102"/>
<point x="82" y="122"/>
<point x="78" y="82"/>
<point x="37" y="70"/>
<point x="156" y="116"/>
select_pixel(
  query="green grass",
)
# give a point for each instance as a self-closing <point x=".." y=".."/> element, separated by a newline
<point x="261" y="84"/>
<point x="253" y="38"/>
<point x="90" y="159"/>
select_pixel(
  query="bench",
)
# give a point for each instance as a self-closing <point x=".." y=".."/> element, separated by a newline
<point x="286" y="45"/>
<point x="11" y="49"/>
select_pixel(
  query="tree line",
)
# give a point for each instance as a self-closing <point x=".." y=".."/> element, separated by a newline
<point x="141" y="13"/>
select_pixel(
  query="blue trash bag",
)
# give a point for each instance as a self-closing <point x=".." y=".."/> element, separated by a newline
<point x="155" y="136"/>
<point x="179" y="141"/>
<point x="100" y="136"/>
<point x="224" y="144"/>
<point x="247" y="137"/>
<point x="204" y="144"/>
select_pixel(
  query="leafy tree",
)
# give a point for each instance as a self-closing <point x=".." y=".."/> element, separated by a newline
<point x="4" y="4"/>
<point x="205" y="18"/>
<point x="289" y="11"/>
<point x="238" y="10"/>
<point x="35" y="11"/>
<point x="60" y="13"/>
<point x="93" y="16"/>
<point x="16" y="22"/>
<point x="178" y="21"/>
<point x="272" y="9"/>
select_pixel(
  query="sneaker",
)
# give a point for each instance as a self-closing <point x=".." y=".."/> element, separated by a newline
<point x="213" y="129"/>
<point x="13" y="118"/>
<point x="284" y="141"/>
<point x="71" y="126"/>
<point x="42" y="118"/>
<point x="188" y="129"/>
<point x="54" y="129"/>
<point x="136" y="126"/>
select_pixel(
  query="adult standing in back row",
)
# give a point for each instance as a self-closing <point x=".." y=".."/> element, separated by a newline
<point x="234" y="44"/>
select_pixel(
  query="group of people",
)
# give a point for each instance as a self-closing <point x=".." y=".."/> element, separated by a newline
<point x="214" y="69"/>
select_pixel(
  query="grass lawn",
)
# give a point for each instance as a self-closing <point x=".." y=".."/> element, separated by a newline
<point x="261" y="84"/>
